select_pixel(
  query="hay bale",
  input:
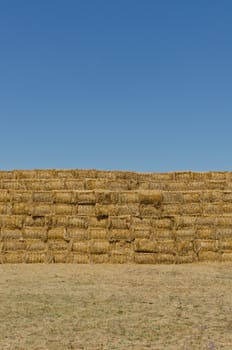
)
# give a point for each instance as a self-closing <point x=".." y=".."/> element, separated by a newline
<point x="10" y="233"/>
<point x="42" y="196"/>
<point x="35" y="245"/>
<point x="145" y="246"/>
<point x="206" y="233"/>
<point x="163" y="234"/>
<point x="183" y="247"/>
<point x="13" y="245"/>
<point x="63" y="209"/>
<point x="209" y="256"/>
<point x="192" y="197"/>
<point x="223" y="233"/>
<point x="74" y="184"/>
<point x="150" y="197"/>
<point x="11" y="221"/>
<point x="56" y="233"/>
<point x="58" y="245"/>
<point x="98" y="233"/>
<point x="190" y="257"/>
<point x="78" y="234"/>
<point x="226" y="256"/>
<point x="40" y="233"/>
<point x="40" y="209"/>
<point x="99" y="247"/>
<point x="85" y="197"/>
<point x="80" y="247"/>
<point x="35" y="220"/>
<point x="99" y="258"/>
<point x="164" y="223"/>
<point x="4" y="196"/>
<point x="226" y="209"/>
<point x="166" y="246"/>
<point x="116" y="222"/>
<point x="115" y="235"/>
<point x="12" y="257"/>
<point x="171" y="209"/>
<point x="86" y="210"/>
<point x="141" y="233"/>
<point x="225" y="244"/>
<point x="64" y="197"/>
<point x="119" y="259"/>
<point x="104" y="210"/>
<point x="213" y="209"/>
<point x="77" y="258"/>
<point x="225" y="221"/>
<point x="143" y="223"/>
<point x="145" y="258"/>
<point x="185" y="233"/>
<point x="128" y="197"/>
<point x="98" y="222"/>
<point x="22" y="209"/>
<point x="165" y="259"/>
<point x="129" y="209"/>
<point x="34" y="258"/>
<point x="60" y="257"/>
<point x="149" y="211"/>
<point x="172" y="197"/>
<point x="185" y="221"/>
<point x="78" y="222"/>
<point x="118" y="185"/>
<point x="206" y="245"/>
<point x="106" y="197"/>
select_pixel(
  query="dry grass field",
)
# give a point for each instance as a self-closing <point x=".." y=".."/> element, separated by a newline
<point x="95" y="307"/>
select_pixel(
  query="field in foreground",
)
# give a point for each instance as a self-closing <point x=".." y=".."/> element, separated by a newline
<point x="116" y="307"/>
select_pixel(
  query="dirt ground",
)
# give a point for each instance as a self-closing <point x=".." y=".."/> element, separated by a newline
<point x="116" y="307"/>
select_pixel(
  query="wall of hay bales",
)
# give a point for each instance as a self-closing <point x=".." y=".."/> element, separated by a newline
<point x="89" y="216"/>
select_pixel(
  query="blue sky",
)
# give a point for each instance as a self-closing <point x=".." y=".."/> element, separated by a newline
<point x="142" y="85"/>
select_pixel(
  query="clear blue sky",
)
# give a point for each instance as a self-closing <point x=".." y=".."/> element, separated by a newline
<point x="142" y="85"/>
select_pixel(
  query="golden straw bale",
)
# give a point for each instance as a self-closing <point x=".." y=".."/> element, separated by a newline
<point x="150" y="197"/>
<point x="129" y="209"/>
<point x="141" y="232"/>
<point x="167" y="246"/>
<point x="209" y="256"/>
<point x="99" y="258"/>
<point x="165" y="258"/>
<point x="84" y="209"/>
<point x="41" y="209"/>
<point x="13" y="245"/>
<point x="85" y="197"/>
<point x="119" y="259"/>
<point x="223" y="232"/>
<point x="5" y="208"/>
<point x="98" y="222"/>
<point x="65" y="197"/>
<point x="63" y="209"/>
<point x="119" y="222"/>
<point x="205" y="220"/>
<point x="172" y="197"/>
<point x="4" y="196"/>
<point x="145" y="246"/>
<point x="11" y="221"/>
<point x="184" y="246"/>
<point x="79" y="258"/>
<point x="149" y="211"/>
<point x="206" y="232"/>
<point x="118" y="185"/>
<point x="103" y="210"/>
<point x="58" y="220"/>
<point x="185" y="221"/>
<point x="226" y="209"/>
<point x="78" y="234"/>
<point x="98" y="233"/>
<point x="53" y="184"/>
<point x="96" y="184"/>
<point x="35" y="245"/>
<point x="99" y="247"/>
<point x="190" y="257"/>
<point x="106" y="197"/>
<point x="34" y="258"/>
<point x="211" y="196"/>
<point x="206" y="245"/>
<point x="126" y="197"/>
<point x="12" y="257"/>
<point x="42" y="196"/>
<point x="192" y="209"/>
<point x="227" y="196"/>
<point x="56" y="233"/>
<point x="10" y="233"/>
<point x="35" y="220"/>
<point x="21" y="196"/>
<point x="226" y="256"/>
<point x="183" y="176"/>
<point x="58" y="245"/>
<point x="164" y="223"/>
<point x="40" y="233"/>
<point x="60" y="257"/>
<point x="185" y="233"/>
<point x="225" y="221"/>
<point x="74" y="184"/>
<point x="78" y="221"/>
<point x="80" y="247"/>
<point x="172" y="209"/>
<point x="192" y="197"/>
<point x="214" y="209"/>
<point x="115" y="235"/>
<point x="225" y="244"/>
<point x="145" y="258"/>
<point x="163" y="234"/>
<point x="138" y="222"/>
